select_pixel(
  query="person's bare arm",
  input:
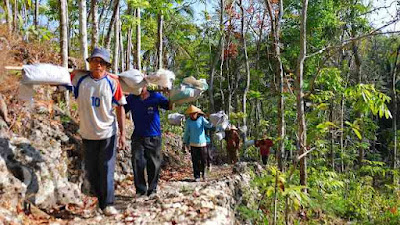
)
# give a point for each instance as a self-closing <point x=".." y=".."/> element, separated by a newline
<point x="121" y="125"/>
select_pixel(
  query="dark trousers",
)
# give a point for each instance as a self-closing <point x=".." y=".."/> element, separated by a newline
<point x="199" y="156"/>
<point x="100" y="165"/>
<point x="209" y="157"/>
<point x="146" y="154"/>
<point x="264" y="159"/>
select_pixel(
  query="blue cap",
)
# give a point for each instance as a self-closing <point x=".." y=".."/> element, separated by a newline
<point x="101" y="53"/>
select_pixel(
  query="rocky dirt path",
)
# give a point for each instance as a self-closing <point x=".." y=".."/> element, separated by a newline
<point x="179" y="200"/>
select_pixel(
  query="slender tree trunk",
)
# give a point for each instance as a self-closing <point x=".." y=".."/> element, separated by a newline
<point x="246" y="59"/>
<point x="342" y="132"/>
<point x="116" y="42"/>
<point x="160" y="40"/>
<point x="331" y="130"/>
<point x="121" y="48"/>
<point x="394" y="80"/>
<point x="112" y="23"/>
<point x="129" y="50"/>
<point x="9" y="16"/>
<point x="64" y="42"/>
<point x="302" y="132"/>
<point x="138" y="41"/>
<point x="95" y="24"/>
<point x="83" y="32"/>
<point x="214" y="61"/>
<point x="279" y="76"/>
<point x="36" y="19"/>
<point x="15" y="16"/>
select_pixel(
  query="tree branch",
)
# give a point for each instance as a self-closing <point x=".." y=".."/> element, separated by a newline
<point x="345" y="42"/>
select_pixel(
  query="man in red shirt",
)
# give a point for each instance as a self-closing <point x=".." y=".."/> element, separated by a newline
<point x="264" y="145"/>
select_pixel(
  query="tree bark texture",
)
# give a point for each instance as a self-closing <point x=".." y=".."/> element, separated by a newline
<point x="9" y="16"/>
<point x="83" y="32"/>
<point x="95" y="24"/>
<point x="279" y="76"/>
<point x="116" y="42"/>
<point x="246" y="60"/>
<point x="138" y="41"/>
<point x="302" y="132"/>
<point x="111" y="25"/>
<point x="160" y="40"/>
<point x="394" y="98"/>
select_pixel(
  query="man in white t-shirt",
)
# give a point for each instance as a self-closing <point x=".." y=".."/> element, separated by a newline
<point x="97" y="93"/>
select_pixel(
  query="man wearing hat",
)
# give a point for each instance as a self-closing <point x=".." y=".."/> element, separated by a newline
<point x="146" y="138"/>
<point x="195" y="137"/>
<point x="232" y="143"/>
<point x="97" y="93"/>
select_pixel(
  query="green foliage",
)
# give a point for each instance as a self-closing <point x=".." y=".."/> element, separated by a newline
<point x="365" y="99"/>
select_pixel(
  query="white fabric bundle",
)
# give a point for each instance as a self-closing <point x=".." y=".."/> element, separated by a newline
<point x="184" y="94"/>
<point x="219" y="120"/>
<point x="42" y="73"/>
<point x="132" y="81"/>
<point x="200" y="84"/>
<point x="190" y="90"/>
<point x="176" y="119"/>
<point x="163" y="78"/>
<point x="220" y="135"/>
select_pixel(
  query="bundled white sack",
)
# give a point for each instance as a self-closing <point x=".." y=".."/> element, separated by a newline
<point x="200" y="84"/>
<point x="132" y="81"/>
<point x="176" y="119"/>
<point x="220" y="135"/>
<point x="43" y="73"/>
<point x="184" y="94"/>
<point x="163" y="78"/>
<point x="219" y="119"/>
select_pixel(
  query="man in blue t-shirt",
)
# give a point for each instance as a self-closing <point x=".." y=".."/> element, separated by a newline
<point x="146" y="138"/>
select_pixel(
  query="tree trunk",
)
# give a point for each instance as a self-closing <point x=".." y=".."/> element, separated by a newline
<point x="246" y="59"/>
<point x="83" y="32"/>
<point x="36" y="19"/>
<point x="160" y="40"/>
<point x="15" y="16"/>
<point x="129" y="50"/>
<point x="111" y="25"/>
<point x="121" y="48"/>
<point x="394" y="80"/>
<point x="279" y="76"/>
<point x="214" y="61"/>
<point x="331" y="130"/>
<point x="302" y="132"/>
<point x="9" y="16"/>
<point x="64" y="42"/>
<point x="95" y="24"/>
<point x="138" y="41"/>
<point x="116" y="42"/>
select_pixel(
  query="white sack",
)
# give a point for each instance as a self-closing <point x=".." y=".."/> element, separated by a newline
<point x="184" y="94"/>
<point x="42" y="73"/>
<point x="220" y="135"/>
<point x="176" y="119"/>
<point x="219" y="119"/>
<point x="132" y="81"/>
<point x="200" y="84"/>
<point x="163" y="78"/>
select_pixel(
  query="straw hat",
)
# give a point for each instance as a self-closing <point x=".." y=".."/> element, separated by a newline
<point x="232" y="127"/>
<point x="193" y="109"/>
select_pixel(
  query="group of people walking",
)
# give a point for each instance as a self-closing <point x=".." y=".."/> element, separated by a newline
<point x="97" y="94"/>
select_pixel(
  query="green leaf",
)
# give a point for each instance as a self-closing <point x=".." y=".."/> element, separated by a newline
<point x="357" y="132"/>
